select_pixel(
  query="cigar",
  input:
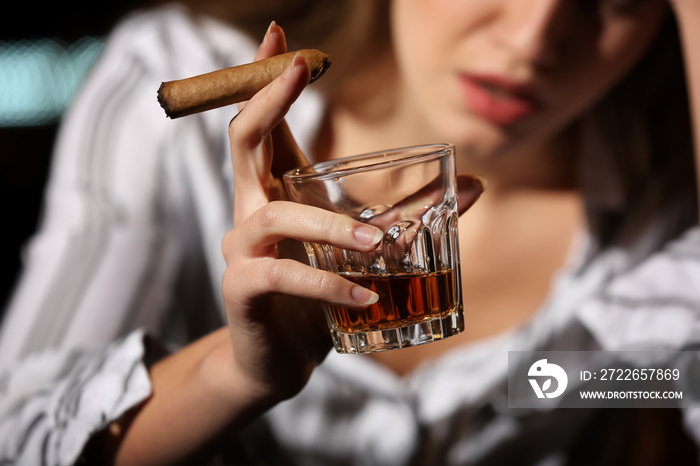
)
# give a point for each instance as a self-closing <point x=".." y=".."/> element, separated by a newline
<point x="231" y="85"/>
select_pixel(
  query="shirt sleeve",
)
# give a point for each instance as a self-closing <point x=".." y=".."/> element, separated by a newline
<point x="656" y="306"/>
<point x="53" y="402"/>
<point x="103" y="260"/>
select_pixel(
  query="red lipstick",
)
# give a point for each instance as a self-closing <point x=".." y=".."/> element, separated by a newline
<point x="497" y="99"/>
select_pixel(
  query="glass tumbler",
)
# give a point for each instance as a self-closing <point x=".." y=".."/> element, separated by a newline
<point x="411" y="194"/>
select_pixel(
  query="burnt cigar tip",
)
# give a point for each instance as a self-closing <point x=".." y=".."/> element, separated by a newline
<point x="163" y="101"/>
<point x="324" y="67"/>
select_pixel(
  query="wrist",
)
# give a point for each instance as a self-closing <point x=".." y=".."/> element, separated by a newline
<point x="232" y="387"/>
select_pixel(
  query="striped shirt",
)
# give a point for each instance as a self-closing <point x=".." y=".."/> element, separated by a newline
<point x="129" y="245"/>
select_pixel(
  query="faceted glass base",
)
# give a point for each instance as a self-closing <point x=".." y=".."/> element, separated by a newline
<point x="415" y="334"/>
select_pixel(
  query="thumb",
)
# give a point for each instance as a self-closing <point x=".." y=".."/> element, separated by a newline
<point x="469" y="189"/>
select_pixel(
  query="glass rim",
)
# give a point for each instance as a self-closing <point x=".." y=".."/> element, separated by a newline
<point x="384" y="158"/>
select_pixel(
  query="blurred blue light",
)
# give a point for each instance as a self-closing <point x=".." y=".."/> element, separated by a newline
<point x="38" y="79"/>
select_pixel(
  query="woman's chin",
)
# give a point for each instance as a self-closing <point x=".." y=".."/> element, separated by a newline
<point x="478" y="142"/>
<point x="481" y="141"/>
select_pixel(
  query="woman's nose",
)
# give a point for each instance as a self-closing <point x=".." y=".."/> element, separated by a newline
<point x="533" y="30"/>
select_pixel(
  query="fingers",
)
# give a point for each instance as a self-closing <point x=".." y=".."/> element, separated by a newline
<point x="254" y="269"/>
<point x="413" y="207"/>
<point x="268" y="107"/>
<point x="251" y="143"/>
<point x="289" y="277"/>
<point x="280" y="220"/>
<point x="287" y="153"/>
<point x="259" y="128"/>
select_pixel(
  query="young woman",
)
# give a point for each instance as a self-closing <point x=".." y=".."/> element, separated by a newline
<point x="586" y="239"/>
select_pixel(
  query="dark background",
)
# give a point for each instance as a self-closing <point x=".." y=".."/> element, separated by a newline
<point x="25" y="152"/>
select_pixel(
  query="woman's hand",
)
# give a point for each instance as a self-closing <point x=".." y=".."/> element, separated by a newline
<point x="277" y="327"/>
<point x="209" y="390"/>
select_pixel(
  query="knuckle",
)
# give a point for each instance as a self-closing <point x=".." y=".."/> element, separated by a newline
<point x="272" y="275"/>
<point x="229" y="279"/>
<point x="328" y="223"/>
<point x="226" y="243"/>
<point x="244" y="131"/>
<point x="268" y="216"/>
<point x="239" y="132"/>
<point x="232" y="123"/>
<point x="234" y="287"/>
<point x="324" y="282"/>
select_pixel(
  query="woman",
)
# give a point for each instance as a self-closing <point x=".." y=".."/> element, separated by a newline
<point x="571" y="219"/>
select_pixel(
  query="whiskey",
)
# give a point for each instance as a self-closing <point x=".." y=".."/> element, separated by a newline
<point x="404" y="299"/>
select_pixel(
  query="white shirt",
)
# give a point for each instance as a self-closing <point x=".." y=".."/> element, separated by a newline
<point x="130" y="240"/>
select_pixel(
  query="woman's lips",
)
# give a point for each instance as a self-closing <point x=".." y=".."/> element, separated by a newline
<point x="498" y="99"/>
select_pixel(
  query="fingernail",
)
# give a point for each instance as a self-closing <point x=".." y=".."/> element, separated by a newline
<point x="291" y="66"/>
<point x="364" y="296"/>
<point x="484" y="182"/>
<point x="368" y="235"/>
<point x="267" y="33"/>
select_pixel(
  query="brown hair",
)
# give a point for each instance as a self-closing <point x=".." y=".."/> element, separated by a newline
<point x="636" y="158"/>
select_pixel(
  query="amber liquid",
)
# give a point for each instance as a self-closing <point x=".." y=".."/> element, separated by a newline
<point x="403" y="300"/>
